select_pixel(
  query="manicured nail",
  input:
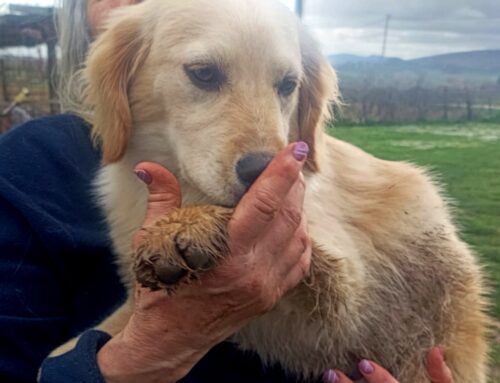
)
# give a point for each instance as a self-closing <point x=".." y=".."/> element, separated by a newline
<point x="144" y="176"/>
<point x="330" y="376"/>
<point x="300" y="151"/>
<point x="366" y="367"/>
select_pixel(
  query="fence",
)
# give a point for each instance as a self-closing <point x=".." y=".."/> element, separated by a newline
<point x="27" y="60"/>
<point x="25" y="72"/>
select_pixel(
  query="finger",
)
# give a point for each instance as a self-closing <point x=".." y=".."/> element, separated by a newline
<point x="373" y="373"/>
<point x="260" y="204"/>
<point x="299" y="270"/>
<point x="332" y="376"/>
<point x="343" y="378"/>
<point x="289" y="222"/>
<point x="164" y="190"/>
<point x="288" y="255"/>
<point x="436" y="367"/>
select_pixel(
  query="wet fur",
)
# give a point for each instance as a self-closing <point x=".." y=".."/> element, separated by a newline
<point x="390" y="278"/>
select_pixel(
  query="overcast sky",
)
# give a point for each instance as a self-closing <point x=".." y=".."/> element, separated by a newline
<point x="417" y="28"/>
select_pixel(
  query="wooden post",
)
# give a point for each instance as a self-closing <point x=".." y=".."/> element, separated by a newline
<point x="386" y="31"/>
<point x="445" y="103"/>
<point x="5" y="93"/>
<point x="299" y="8"/>
<point x="51" y="65"/>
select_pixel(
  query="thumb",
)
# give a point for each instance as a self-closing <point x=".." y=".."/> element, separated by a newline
<point x="437" y="368"/>
<point x="164" y="190"/>
<point x="265" y="197"/>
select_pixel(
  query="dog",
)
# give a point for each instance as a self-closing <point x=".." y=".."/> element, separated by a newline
<point x="200" y="85"/>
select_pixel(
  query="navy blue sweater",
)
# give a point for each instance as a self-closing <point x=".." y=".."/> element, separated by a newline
<point x="56" y="270"/>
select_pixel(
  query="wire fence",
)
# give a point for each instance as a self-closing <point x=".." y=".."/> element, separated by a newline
<point x="19" y="72"/>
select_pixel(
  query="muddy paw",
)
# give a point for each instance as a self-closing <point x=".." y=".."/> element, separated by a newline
<point x="181" y="246"/>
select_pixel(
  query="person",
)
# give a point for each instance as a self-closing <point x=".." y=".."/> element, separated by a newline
<point x="58" y="277"/>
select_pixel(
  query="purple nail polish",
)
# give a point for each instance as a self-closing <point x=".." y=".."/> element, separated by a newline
<point x="366" y="367"/>
<point x="300" y="151"/>
<point x="330" y="376"/>
<point x="144" y="176"/>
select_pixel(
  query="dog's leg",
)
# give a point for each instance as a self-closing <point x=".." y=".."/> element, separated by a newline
<point x="180" y="246"/>
<point x="112" y="325"/>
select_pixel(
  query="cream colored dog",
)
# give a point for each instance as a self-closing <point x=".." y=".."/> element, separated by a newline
<point x="200" y="85"/>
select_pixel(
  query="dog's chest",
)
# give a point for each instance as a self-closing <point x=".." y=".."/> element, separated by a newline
<point x="306" y="348"/>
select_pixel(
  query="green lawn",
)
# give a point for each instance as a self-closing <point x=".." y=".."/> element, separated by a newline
<point x="466" y="158"/>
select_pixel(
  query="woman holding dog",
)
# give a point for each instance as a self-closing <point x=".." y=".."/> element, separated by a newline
<point x="58" y="275"/>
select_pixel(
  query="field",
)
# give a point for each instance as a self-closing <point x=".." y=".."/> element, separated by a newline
<point x="466" y="159"/>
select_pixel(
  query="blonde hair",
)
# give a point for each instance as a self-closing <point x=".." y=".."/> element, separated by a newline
<point x="74" y="39"/>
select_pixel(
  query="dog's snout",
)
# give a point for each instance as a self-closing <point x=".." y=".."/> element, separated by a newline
<point x="251" y="166"/>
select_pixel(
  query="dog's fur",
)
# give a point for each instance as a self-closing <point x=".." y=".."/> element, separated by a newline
<point x="390" y="277"/>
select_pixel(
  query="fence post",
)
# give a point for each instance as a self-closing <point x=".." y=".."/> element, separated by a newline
<point x="299" y="8"/>
<point x="51" y="65"/>
<point x="5" y="93"/>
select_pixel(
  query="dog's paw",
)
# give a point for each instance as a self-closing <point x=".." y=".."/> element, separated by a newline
<point x="180" y="246"/>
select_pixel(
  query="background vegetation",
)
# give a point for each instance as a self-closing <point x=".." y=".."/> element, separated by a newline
<point x="465" y="157"/>
<point x="451" y="87"/>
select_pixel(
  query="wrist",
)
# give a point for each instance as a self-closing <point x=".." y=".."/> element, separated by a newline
<point x="119" y="364"/>
<point x="126" y="359"/>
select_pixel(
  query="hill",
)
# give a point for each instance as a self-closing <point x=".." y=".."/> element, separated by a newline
<point x="479" y="62"/>
<point x="476" y="62"/>
<point x="451" y="87"/>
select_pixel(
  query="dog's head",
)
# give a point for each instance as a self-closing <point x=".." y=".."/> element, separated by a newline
<point x="210" y="88"/>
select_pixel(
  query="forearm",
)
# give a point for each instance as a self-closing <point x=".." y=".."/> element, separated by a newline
<point x="169" y="356"/>
<point x="119" y="364"/>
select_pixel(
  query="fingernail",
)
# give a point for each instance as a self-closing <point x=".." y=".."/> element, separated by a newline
<point x="330" y="376"/>
<point x="144" y="176"/>
<point x="300" y="151"/>
<point x="366" y="367"/>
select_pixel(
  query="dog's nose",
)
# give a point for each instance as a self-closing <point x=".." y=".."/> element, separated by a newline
<point x="251" y="166"/>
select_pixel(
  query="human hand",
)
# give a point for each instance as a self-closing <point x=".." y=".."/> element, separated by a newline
<point x="436" y="367"/>
<point x="373" y="373"/>
<point x="167" y="335"/>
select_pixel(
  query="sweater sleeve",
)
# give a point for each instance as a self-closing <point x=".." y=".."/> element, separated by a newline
<point x="36" y="312"/>
<point x="33" y="306"/>
<point x="77" y="365"/>
<point x="57" y="276"/>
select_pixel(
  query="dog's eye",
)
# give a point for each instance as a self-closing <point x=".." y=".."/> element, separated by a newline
<point x="287" y="86"/>
<point x="206" y="77"/>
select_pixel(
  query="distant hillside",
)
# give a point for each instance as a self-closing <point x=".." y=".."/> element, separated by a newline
<point x="478" y="62"/>
<point x="347" y="59"/>
<point x="451" y="87"/>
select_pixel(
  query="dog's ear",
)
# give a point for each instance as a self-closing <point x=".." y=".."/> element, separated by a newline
<point x="112" y="64"/>
<point x="318" y="92"/>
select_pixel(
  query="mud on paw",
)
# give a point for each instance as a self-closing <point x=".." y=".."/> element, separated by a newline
<point x="180" y="246"/>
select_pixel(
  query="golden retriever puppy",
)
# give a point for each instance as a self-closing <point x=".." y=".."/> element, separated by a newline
<point x="213" y="88"/>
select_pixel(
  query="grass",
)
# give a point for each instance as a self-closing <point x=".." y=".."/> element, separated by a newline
<point x="466" y="159"/>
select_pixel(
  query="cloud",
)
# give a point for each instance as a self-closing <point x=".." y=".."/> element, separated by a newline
<point x="417" y="28"/>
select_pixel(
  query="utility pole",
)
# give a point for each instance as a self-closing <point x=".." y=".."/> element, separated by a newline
<point x="386" y="32"/>
<point x="299" y="8"/>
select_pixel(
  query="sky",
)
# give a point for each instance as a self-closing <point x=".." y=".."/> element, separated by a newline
<point x="416" y="28"/>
